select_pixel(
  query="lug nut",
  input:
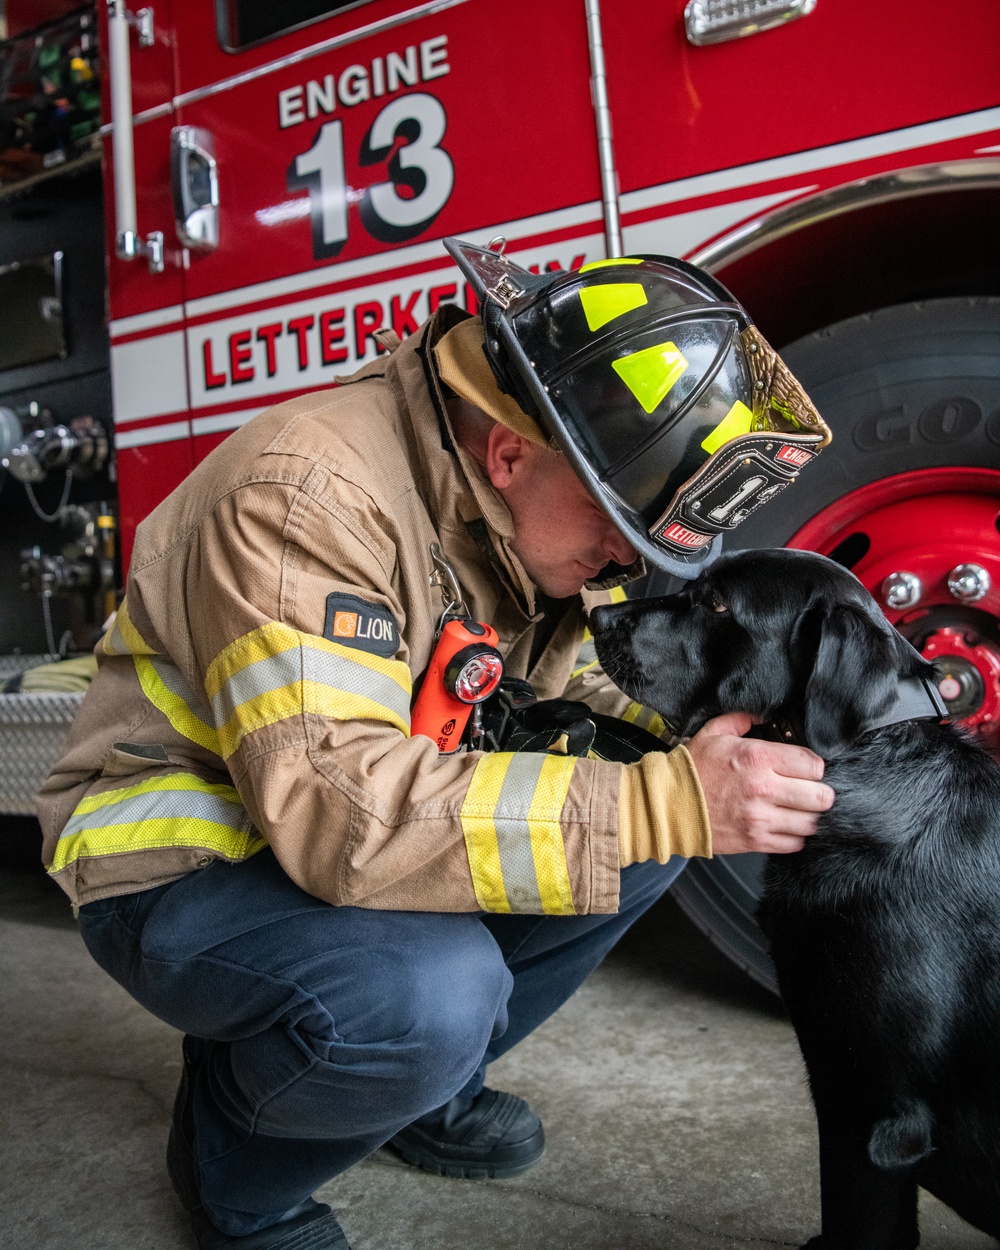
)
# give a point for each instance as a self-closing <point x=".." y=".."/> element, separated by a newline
<point x="968" y="582"/>
<point x="902" y="590"/>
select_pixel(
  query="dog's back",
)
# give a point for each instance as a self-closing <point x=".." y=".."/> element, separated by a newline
<point x="885" y="933"/>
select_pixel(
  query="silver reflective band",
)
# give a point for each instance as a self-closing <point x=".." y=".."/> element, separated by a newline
<point x="716" y="21"/>
<point x="309" y="664"/>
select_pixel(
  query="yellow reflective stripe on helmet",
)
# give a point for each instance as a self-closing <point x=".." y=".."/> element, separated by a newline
<point x="513" y="834"/>
<point x="612" y="260"/>
<point x="586" y="657"/>
<point x="646" y="718"/>
<point x="651" y="373"/>
<point x="738" y="420"/>
<point x="123" y="638"/>
<point x="602" y="304"/>
<point x="276" y="672"/>
<point x="177" y="810"/>
<point x="164" y="686"/>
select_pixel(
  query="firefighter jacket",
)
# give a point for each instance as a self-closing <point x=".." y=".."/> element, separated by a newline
<point x="255" y="687"/>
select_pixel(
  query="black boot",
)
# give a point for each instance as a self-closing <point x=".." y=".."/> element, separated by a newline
<point x="491" y="1135"/>
<point x="315" y="1229"/>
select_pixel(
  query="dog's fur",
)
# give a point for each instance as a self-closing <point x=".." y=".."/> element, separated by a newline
<point x="885" y="929"/>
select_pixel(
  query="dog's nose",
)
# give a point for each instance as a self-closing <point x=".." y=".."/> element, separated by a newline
<point x="600" y="619"/>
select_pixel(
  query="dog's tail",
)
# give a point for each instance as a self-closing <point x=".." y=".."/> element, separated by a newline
<point x="904" y="1139"/>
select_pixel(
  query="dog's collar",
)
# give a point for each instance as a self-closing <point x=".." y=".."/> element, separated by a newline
<point x="917" y="698"/>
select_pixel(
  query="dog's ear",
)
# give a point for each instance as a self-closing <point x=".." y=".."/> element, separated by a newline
<point x="854" y="676"/>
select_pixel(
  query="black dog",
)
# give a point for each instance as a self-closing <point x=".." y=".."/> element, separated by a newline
<point x="885" y="929"/>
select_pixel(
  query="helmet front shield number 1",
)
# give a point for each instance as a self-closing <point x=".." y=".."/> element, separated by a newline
<point x="744" y="472"/>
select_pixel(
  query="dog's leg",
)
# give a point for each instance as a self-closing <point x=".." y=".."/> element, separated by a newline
<point x="864" y="1207"/>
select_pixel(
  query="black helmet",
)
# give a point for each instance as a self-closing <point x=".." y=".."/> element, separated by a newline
<point x="674" y="411"/>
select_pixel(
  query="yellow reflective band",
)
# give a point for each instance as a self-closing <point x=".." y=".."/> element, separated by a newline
<point x="612" y="260"/>
<point x="166" y="689"/>
<point x="123" y="638"/>
<point x="738" y="420"/>
<point x="295" y="699"/>
<point x="650" y="373"/>
<point x="163" y="812"/>
<point x="275" y="673"/>
<point x="260" y="644"/>
<point x="602" y="304"/>
<point x="480" y="831"/>
<point x="617" y="594"/>
<point x="513" y="833"/>
<point x="646" y="718"/>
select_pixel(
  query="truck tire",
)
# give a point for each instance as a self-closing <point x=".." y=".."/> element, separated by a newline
<point x="912" y="394"/>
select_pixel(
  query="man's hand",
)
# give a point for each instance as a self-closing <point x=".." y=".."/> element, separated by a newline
<point x="761" y="796"/>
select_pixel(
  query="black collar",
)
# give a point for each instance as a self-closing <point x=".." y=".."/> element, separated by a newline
<point x="917" y="698"/>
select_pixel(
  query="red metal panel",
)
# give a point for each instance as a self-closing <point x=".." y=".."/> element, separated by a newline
<point x="203" y="60"/>
<point x="850" y="68"/>
<point x="146" y="475"/>
<point x="131" y="286"/>
<point x="132" y="289"/>
<point x="517" y="124"/>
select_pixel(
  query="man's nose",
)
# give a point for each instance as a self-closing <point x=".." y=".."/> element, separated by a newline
<point x="618" y="547"/>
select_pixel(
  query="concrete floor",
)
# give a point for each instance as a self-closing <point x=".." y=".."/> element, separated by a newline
<point x="670" y="1086"/>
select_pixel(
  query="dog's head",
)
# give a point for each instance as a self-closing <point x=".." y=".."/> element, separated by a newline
<point x="760" y="632"/>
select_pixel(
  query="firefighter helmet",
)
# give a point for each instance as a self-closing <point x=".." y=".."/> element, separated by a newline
<point x="649" y="375"/>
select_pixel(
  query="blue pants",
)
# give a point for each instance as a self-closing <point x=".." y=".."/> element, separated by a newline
<point x="333" y="1027"/>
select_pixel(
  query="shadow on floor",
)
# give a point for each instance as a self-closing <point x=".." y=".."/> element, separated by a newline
<point x="27" y="894"/>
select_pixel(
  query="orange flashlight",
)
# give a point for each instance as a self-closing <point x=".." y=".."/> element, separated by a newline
<point x="465" y="670"/>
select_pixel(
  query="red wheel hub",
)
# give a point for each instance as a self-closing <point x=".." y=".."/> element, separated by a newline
<point x="916" y="529"/>
<point x="969" y="676"/>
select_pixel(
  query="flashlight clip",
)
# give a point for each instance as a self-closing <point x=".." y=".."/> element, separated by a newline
<point x="445" y="576"/>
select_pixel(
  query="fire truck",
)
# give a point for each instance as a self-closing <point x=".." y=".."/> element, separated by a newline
<point x="211" y="206"/>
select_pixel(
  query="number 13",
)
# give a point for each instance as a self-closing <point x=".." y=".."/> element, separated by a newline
<point x="420" y="164"/>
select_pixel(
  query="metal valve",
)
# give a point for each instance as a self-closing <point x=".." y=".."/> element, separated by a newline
<point x="968" y="582"/>
<point x="84" y="566"/>
<point x="81" y="446"/>
<point x="902" y="590"/>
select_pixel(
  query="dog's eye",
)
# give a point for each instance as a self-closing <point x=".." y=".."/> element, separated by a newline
<point x="715" y="601"/>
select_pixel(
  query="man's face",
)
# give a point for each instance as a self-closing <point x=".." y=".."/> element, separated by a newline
<point x="561" y="536"/>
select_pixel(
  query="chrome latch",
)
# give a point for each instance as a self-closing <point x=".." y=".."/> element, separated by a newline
<point x="716" y="21"/>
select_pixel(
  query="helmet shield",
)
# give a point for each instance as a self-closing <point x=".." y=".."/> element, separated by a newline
<point x="673" y="409"/>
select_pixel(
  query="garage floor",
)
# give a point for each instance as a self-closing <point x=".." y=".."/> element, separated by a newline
<point x="670" y="1086"/>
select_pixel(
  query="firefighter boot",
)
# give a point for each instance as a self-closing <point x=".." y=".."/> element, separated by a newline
<point x="315" y="1229"/>
<point x="491" y="1135"/>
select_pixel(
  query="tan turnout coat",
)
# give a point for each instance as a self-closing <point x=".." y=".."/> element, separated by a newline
<point x="234" y="708"/>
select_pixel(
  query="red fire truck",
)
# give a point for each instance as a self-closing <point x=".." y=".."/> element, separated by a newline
<point x="276" y="180"/>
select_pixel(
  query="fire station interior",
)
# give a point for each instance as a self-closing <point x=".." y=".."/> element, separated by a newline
<point x="671" y="1088"/>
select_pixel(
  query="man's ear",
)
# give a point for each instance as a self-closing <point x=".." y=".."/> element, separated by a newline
<point x="854" y="677"/>
<point x="505" y="452"/>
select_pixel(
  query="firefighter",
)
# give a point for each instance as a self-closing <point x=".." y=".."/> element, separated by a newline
<point x="347" y="925"/>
